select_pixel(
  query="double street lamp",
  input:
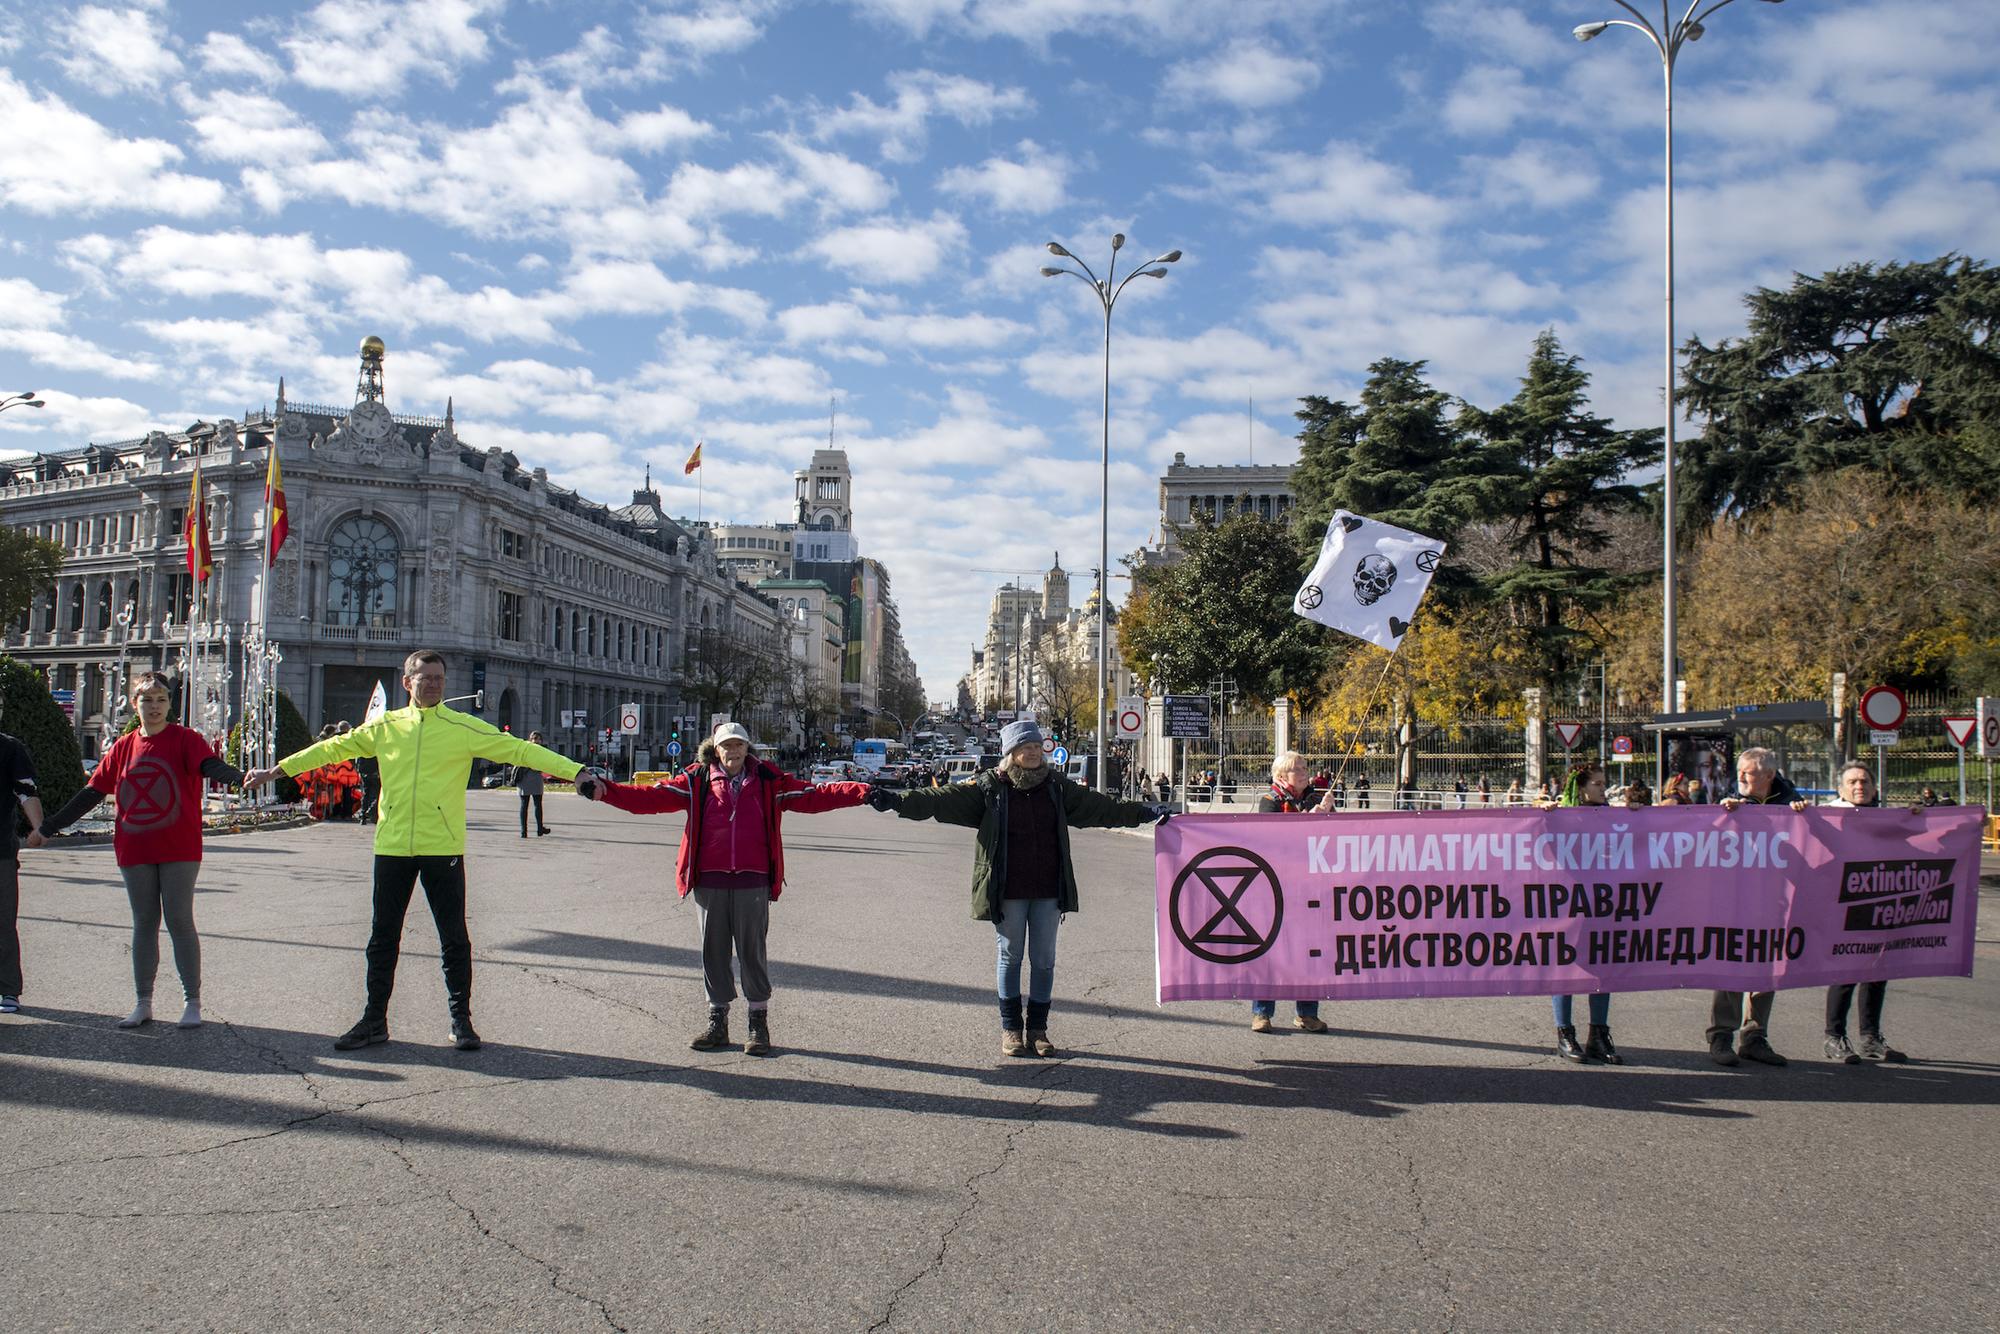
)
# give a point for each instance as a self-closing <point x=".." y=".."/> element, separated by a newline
<point x="25" y="399"/>
<point x="1668" y="37"/>
<point x="1108" y="289"/>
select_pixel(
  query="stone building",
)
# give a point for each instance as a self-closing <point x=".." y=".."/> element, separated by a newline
<point x="1219" y="491"/>
<point x="557" y="607"/>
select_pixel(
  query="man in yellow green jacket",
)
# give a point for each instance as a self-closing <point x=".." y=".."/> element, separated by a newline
<point x="425" y="752"/>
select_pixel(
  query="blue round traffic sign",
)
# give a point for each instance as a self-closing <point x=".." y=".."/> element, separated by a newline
<point x="674" y="749"/>
<point x="1060" y="755"/>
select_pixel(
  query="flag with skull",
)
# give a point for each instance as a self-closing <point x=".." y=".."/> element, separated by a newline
<point x="1369" y="578"/>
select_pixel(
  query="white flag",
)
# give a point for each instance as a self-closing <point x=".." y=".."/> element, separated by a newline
<point x="1369" y="579"/>
<point x="378" y="704"/>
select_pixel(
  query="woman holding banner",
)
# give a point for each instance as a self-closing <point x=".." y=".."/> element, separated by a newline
<point x="1022" y="878"/>
<point x="1585" y="787"/>
<point x="1290" y="789"/>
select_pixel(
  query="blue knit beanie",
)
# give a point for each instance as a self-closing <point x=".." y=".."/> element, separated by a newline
<point x="1019" y="734"/>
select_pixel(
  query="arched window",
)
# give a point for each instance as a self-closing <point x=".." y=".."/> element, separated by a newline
<point x="76" y="607"/>
<point x="103" y="606"/>
<point x="361" y="560"/>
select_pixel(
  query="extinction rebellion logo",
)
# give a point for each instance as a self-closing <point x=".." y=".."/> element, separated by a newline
<point x="1226" y="905"/>
<point x="1886" y="895"/>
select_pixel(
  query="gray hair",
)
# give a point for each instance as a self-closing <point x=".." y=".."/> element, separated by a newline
<point x="1852" y="765"/>
<point x="1284" y="760"/>
<point x="1758" y="757"/>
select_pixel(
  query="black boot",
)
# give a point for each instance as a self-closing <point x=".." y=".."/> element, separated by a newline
<point x="760" y="1034"/>
<point x="463" y="1036"/>
<point x="1599" y="1047"/>
<point x="1566" y="1044"/>
<point x="716" y="1035"/>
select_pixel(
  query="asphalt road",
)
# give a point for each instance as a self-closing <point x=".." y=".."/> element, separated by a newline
<point x="1427" y="1166"/>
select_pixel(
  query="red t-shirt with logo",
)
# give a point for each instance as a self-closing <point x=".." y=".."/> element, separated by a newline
<point x="157" y="783"/>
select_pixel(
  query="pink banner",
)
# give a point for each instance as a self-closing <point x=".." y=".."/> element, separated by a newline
<point x="1463" y="903"/>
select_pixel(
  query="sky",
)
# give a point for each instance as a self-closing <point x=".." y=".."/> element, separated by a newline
<point x="607" y="230"/>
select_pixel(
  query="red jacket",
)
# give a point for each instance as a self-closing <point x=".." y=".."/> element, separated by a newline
<point x="769" y="788"/>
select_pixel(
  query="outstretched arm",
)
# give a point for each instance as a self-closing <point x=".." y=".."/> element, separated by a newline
<point x="658" y="799"/>
<point x="1087" y="809"/>
<point x="961" y="803"/>
<point x="810" y="799"/>
<point x="83" y="803"/>
<point x="505" y="748"/>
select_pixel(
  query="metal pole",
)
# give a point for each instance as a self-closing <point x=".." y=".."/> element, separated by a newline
<point x="1668" y="656"/>
<point x="1104" y="540"/>
<point x="1961" y="775"/>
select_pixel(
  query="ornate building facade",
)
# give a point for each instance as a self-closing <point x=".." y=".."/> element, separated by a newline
<point x="403" y="536"/>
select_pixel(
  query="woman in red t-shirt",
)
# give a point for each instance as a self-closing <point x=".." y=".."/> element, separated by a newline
<point x="156" y="774"/>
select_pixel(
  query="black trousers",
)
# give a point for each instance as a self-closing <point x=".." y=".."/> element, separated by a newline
<point x="444" y="887"/>
<point x="535" y="797"/>
<point x="1838" y="998"/>
<point x="10" y="935"/>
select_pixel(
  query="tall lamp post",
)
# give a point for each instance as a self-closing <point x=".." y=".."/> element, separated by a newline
<point x="25" y="399"/>
<point x="1667" y="38"/>
<point x="1108" y="289"/>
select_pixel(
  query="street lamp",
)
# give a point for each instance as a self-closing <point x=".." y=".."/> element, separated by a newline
<point x="1108" y="290"/>
<point x="25" y="399"/>
<point x="1667" y="39"/>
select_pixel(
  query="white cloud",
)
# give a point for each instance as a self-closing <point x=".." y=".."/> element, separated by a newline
<point x="236" y="126"/>
<point x="84" y="168"/>
<point x="1540" y="175"/>
<point x="1345" y="183"/>
<point x="31" y="325"/>
<point x="119" y="50"/>
<point x="227" y="54"/>
<point x="837" y="183"/>
<point x="891" y="251"/>
<point x="1033" y="182"/>
<point x="838" y="325"/>
<point x="1244" y="74"/>
<point x="902" y="125"/>
<point x="372" y="48"/>
<point x="662" y="128"/>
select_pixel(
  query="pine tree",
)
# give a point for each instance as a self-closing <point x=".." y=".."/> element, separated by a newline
<point x="1564" y="473"/>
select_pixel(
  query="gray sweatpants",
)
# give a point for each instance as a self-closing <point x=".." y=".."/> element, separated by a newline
<point x="154" y="889"/>
<point x="734" y="919"/>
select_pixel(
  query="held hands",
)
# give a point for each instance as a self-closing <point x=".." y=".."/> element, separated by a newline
<point x="884" y="800"/>
<point x="587" y="786"/>
<point x="1161" y="814"/>
<point x="256" y="778"/>
<point x="36" y="838"/>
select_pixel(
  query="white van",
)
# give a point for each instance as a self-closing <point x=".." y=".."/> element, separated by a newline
<point x="958" y="768"/>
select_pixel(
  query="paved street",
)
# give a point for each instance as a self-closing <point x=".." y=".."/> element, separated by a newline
<point x="1427" y="1166"/>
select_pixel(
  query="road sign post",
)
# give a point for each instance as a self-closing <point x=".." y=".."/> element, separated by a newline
<point x="1961" y="730"/>
<point x="1621" y="750"/>
<point x="1883" y="708"/>
<point x="1567" y="733"/>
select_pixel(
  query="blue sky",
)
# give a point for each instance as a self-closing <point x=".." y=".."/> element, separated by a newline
<point x="609" y="229"/>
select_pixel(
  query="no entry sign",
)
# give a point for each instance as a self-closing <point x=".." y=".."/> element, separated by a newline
<point x="1883" y="708"/>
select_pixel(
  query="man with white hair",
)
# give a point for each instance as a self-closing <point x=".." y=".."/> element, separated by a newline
<point x="1739" y="1022"/>
<point x="1291" y="790"/>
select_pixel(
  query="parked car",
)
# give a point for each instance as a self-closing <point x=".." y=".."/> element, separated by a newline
<point x="838" y="771"/>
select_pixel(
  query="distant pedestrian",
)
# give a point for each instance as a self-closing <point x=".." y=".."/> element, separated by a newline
<point x="1288" y="794"/>
<point x="156" y="773"/>
<point x="732" y="860"/>
<point x="1512" y="797"/>
<point x="1023" y="878"/>
<point x="528" y="782"/>
<point x="1857" y="789"/>
<point x="1458" y="791"/>
<point x="1485" y="791"/>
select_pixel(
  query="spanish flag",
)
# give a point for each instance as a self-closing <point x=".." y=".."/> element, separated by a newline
<point x="274" y="507"/>
<point x="201" y="561"/>
<point x="694" y="459"/>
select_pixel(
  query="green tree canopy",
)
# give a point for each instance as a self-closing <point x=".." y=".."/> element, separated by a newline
<point x="1225" y="609"/>
<point x="1888" y="366"/>
<point x="31" y="715"/>
<point x="1562" y="477"/>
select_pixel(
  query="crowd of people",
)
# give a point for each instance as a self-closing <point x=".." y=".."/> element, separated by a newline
<point x="730" y="858"/>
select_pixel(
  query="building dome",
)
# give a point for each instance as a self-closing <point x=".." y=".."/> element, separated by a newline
<point x="371" y="346"/>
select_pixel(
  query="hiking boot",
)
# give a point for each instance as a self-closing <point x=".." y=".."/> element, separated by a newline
<point x="1013" y="1042"/>
<point x="760" y="1034"/>
<point x="364" y="1034"/>
<point x="462" y="1036"/>
<point x="1721" y="1050"/>
<point x="1038" y="1038"/>
<point x="715" y="1036"/>
<point x="1260" y="1023"/>
<point x="1873" y="1048"/>
<point x="1599" y="1048"/>
<point x="1566" y="1044"/>
<point x="1762" y="1052"/>
<point x="1838" y="1049"/>
<point x="1309" y="1023"/>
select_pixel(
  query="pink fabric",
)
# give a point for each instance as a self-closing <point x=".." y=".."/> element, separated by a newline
<point x="1474" y="903"/>
<point x="732" y="826"/>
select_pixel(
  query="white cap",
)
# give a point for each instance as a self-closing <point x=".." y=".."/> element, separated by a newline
<point x="730" y="732"/>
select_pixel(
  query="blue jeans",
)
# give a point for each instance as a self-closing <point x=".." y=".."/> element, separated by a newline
<point x="1306" y="1009"/>
<point x="1027" y="929"/>
<point x="1565" y="1007"/>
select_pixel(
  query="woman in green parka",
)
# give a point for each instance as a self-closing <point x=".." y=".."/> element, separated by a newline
<point x="1023" y="880"/>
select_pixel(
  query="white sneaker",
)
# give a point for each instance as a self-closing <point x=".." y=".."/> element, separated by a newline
<point x="191" y="1016"/>
<point x="142" y="1013"/>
